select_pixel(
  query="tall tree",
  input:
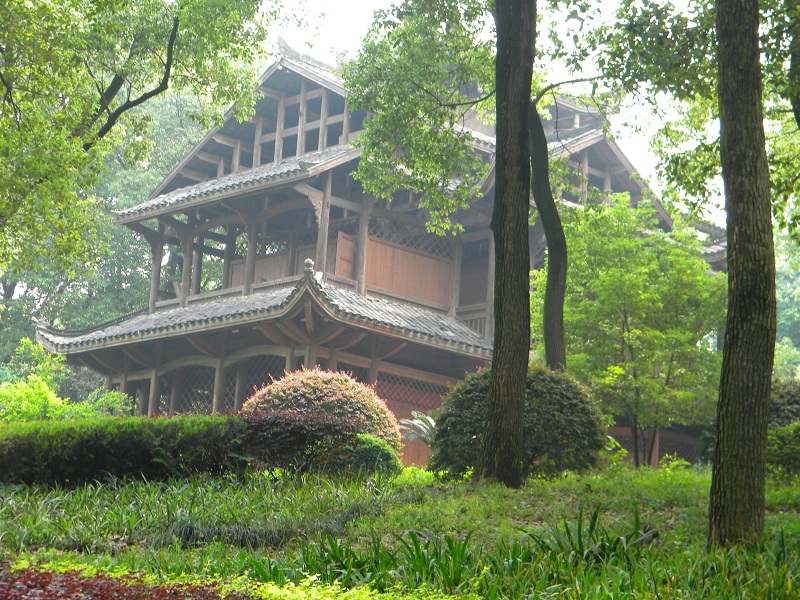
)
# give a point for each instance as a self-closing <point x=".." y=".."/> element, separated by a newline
<point x="71" y="74"/>
<point x="736" y="508"/>
<point x="501" y="450"/>
<point x="642" y="312"/>
<point x="424" y="66"/>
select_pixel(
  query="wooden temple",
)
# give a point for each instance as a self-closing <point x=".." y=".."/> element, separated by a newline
<point x="267" y="256"/>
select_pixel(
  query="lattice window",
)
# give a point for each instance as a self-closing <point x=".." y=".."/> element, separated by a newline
<point x="197" y="389"/>
<point x="349" y="227"/>
<point x="307" y="237"/>
<point x="261" y="370"/>
<point x="358" y="373"/>
<point x="229" y="398"/>
<point x="411" y="237"/>
<point x="409" y="391"/>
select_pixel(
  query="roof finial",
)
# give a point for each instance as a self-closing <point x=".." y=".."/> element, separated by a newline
<point x="309" y="268"/>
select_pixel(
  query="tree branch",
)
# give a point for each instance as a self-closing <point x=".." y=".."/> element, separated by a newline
<point x="160" y="88"/>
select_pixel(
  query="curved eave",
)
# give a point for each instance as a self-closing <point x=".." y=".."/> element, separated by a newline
<point x="227" y="187"/>
<point x="59" y="341"/>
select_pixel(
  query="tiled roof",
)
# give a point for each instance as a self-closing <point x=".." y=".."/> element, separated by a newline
<point x="177" y="320"/>
<point x="271" y="172"/>
<point x="411" y="319"/>
<point x="406" y="320"/>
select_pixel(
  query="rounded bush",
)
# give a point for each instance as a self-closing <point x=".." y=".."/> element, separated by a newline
<point x="563" y="427"/>
<point x="783" y="450"/>
<point x="311" y="391"/>
<point x="363" y="453"/>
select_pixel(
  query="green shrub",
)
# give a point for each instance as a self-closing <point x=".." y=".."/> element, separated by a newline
<point x="362" y="453"/>
<point x="783" y="450"/>
<point x="76" y="452"/>
<point x="563" y="426"/>
<point x="30" y="399"/>
<point x="292" y="439"/>
<point x="338" y="394"/>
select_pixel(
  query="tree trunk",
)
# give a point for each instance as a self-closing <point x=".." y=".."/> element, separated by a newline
<point x="736" y="509"/>
<point x="555" y="352"/>
<point x="501" y="450"/>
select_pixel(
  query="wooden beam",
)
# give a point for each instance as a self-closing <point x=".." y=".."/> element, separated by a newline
<point x="194" y="175"/>
<point x="332" y="331"/>
<point x="389" y="352"/>
<point x="145" y="358"/>
<point x="232" y="142"/>
<point x="202" y="345"/>
<point x="349" y="340"/>
<point x="273" y="334"/>
<point x="293" y="331"/>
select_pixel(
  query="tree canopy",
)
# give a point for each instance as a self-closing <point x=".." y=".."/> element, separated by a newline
<point x="72" y="74"/>
<point x="642" y="316"/>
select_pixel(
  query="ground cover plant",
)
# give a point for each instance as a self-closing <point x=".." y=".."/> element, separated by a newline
<point x="622" y="533"/>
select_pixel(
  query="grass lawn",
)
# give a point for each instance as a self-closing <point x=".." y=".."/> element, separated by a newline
<point x="616" y="534"/>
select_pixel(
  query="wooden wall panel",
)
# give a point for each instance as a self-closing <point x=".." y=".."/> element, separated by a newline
<point x="344" y="256"/>
<point x="414" y="275"/>
<point x="474" y="276"/>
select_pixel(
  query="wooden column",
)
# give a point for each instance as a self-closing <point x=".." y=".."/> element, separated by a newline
<point x="360" y="258"/>
<point x="301" y="120"/>
<point x="455" y="277"/>
<point x="174" y="393"/>
<point x="279" y="121"/>
<point x="187" y="244"/>
<point x="155" y="393"/>
<point x="230" y="252"/>
<point x="333" y="359"/>
<point x="324" y="219"/>
<point x="197" y="264"/>
<point x="237" y="157"/>
<point x="257" y="142"/>
<point x="250" y="261"/>
<point x="323" y="121"/>
<point x="239" y="394"/>
<point x="109" y="384"/>
<point x="218" y="401"/>
<point x="157" y="254"/>
<point x="290" y="358"/>
<point x="144" y="401"/>
<point x="346" y="124"/>
<point x="292" y="254"/>
<point x="123" y="383"/>
<point x="372" y="376"/>
<point x="489" y="333"/>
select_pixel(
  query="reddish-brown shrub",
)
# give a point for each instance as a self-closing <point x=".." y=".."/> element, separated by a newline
<point x="336" y="394"/>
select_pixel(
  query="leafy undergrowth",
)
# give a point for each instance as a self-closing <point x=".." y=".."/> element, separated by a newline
<point x="620" y="533"/>
<point x="47" y="585"/>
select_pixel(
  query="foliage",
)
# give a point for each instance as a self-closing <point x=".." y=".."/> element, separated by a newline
<point x="30" y="399"/>
<point x="420" y="427"/>
<point x="75" y="452"/>
<point x="292" y="438"/>
<point x="421" y="67"/>
<point x="72" y="74"/>
<point x="418" y="538"/>
<point x="783" y="450"/>
<point x="362" y="454"/>
<point x="642" y="314"/>
<point x="336" y="394"/>
<point x="563" y="427"/>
